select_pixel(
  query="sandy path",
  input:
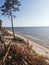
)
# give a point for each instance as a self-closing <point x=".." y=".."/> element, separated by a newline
<point x="41" y="50"/>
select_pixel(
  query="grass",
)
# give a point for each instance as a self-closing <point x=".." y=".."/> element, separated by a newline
<point x="5" y="32"/>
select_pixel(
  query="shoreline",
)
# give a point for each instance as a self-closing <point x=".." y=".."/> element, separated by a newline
<point x="36" y="41"/>
<point x="39" y="49"/>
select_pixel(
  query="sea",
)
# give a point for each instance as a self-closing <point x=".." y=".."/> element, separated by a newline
<point x="37" y="34"/>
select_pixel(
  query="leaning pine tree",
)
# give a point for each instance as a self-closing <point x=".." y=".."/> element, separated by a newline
<point x="8" y="8"/>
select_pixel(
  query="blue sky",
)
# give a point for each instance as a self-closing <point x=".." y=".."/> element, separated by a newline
<point x="32" y="13"/>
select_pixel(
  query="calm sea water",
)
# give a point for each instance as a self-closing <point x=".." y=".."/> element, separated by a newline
<point x="38" y="34"/>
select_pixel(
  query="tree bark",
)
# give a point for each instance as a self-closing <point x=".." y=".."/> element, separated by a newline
<point x="12" y="24"/>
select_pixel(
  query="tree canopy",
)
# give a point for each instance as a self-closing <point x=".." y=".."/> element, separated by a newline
<point x="10" y="5"/>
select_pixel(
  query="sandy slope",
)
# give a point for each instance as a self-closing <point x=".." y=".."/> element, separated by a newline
<point x="41" y="50"/>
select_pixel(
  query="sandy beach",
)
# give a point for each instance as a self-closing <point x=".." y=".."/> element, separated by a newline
<point x="39" y="49"/>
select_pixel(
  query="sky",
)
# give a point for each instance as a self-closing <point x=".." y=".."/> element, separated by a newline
<point x="32" y="13"/>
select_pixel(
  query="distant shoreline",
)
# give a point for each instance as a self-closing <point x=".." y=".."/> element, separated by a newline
<point x="37" y="34"/>
<point x="39" y="49"/>
<point x="34" y="40"/>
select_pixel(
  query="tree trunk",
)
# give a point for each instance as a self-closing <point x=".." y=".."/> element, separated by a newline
<point x="12" y="24"/>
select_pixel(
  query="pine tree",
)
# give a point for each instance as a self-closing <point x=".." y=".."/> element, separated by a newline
<point x="8" y="8"/>
<point x="0" y="24"/>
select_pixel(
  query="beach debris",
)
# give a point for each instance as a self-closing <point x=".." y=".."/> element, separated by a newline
<point x="46" y="52"/>
<point x="16" y="54"/>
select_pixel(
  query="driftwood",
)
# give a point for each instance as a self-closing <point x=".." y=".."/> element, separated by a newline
<point x="16" y="57"/>
<point x="6" y="53"/>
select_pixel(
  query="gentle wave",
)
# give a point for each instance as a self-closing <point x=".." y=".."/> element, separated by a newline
<point x="37" y="34"/>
